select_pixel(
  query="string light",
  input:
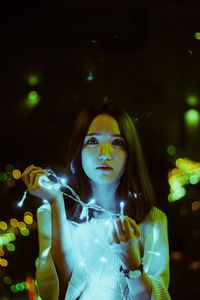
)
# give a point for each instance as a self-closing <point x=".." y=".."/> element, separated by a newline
<point x="121" y="208"/>
<point x="44" y="181"/>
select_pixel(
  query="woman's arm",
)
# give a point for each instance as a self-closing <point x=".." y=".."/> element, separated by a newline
<point x="61" y="248"/>
<point x="60" y="236"/>
<point x="153" y="283"/>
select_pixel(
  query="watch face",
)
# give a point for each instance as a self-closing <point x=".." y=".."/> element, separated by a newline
<point x="134" y="274"/>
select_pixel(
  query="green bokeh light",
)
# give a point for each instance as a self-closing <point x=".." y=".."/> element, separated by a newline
<point x="192" y="100"/>
<point x="197" y="35"/>
<point x="13" y="288"/>
<point x="32" y="99"/>
<point x="194" y="179"/>
<point x="192" y="117"/>
<point x="171" y="150"/>
<point x="10" y="247"/>
<point x="24" y="231"/>
<point x="7" y="279"/>
<point x="20" y="287"/>
<point x="33" y="79"/>
<point x="176" y="195"/>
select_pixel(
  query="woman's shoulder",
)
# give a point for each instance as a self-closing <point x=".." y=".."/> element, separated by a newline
<point x="155" y="215"/>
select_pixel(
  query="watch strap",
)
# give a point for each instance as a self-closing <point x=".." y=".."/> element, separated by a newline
<point x="127" y="272"/>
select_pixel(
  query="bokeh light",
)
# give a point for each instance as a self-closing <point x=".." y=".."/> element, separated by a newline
<point x="13" y="288"/>
<point x="197" y="35"/>
<point x="33" y="79"/>
<point x="90" y="77"/>
<point x="7" y="279"/>
<point x="10" y="247"/>
<point x="11" y="183"/>
<point x="3" y="262"/>
<point x="16" y="174"/>
<point x="192" y="100"/>
<point x="21" y="225"/>
<point x="171" y="150"/>
<point x="14" y="222"/>
<point x="32" y="99"/>
<point x="192" y="118"/>
<point x="3" y="225"/>
<point x="177" y="194"/>
<point x="28" y="217"/>
<point x="24" y="231"/>
<point x="1" y="252"/>
<point x="195" y="205"/>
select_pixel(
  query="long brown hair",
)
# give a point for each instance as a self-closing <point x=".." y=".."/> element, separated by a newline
<point x="135" y="187"/>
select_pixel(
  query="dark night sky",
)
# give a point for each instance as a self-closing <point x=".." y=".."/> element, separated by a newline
<point x="143" y="56"/>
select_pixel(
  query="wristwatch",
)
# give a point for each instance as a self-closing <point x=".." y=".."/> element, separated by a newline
<point x="132" y="274"/>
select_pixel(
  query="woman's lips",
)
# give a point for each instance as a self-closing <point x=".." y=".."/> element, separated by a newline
<point x="104" y="167"/>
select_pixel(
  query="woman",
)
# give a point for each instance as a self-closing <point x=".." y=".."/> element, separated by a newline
<point x="106" y="257"/>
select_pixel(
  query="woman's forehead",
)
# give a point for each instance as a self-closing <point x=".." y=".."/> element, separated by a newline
<point x="104" y="123"/>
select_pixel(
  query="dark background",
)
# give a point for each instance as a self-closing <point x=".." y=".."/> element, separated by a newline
<point x="144" y="57"/>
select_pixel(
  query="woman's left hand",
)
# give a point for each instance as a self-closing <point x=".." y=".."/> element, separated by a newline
<point x="124" y="242"/>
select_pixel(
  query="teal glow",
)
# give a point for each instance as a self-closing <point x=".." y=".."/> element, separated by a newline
<point x="32" y="99"/>
<point x="90" y="77"/>
<point x="192" y="117"/>
<point x="171" y="150"/>
<point x="192" y="100"/>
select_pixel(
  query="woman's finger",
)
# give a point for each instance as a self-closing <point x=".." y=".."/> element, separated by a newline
<point x="119" y="230"/>
<point x="28" y="176"/>
<point x="134" y="225"/>
<point x="34" y="177"/>
<point x="129" y="232"/>
<point x="114" y="236"/>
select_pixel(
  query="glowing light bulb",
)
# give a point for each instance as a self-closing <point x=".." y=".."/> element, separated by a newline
<point x="103" y="259"/>
<point x="63" y="180"/>
<point x="92" y="201"/>
<point x="44" y="181"/>
<point x="21" y="202"/>
<point x="121" y="208"/>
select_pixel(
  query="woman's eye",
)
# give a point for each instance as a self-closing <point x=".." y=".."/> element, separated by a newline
<point x="119" y="142"/>
<point x="91" y="141"/>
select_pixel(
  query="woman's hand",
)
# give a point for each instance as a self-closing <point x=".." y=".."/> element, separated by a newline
<point x="125" y="242"/>
<point x="38" y="184"/>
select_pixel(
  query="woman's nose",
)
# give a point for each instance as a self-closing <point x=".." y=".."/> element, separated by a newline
<point x="105" y="152"/>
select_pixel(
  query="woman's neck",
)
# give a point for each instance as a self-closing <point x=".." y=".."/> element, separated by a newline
<point x="105" y="195"/>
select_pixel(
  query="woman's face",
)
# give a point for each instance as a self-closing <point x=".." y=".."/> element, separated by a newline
<point x="104" y="151"/>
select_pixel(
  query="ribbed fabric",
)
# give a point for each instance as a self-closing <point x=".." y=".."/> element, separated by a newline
<point x="96" y="272"/>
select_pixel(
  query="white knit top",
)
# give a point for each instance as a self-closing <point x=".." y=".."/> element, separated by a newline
<point x="96" y="272"/>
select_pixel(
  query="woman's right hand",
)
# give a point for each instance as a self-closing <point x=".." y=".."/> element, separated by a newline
<point x="38" y="184"/>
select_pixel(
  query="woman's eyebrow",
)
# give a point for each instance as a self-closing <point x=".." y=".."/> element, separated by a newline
<point x="97" y="133"/>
